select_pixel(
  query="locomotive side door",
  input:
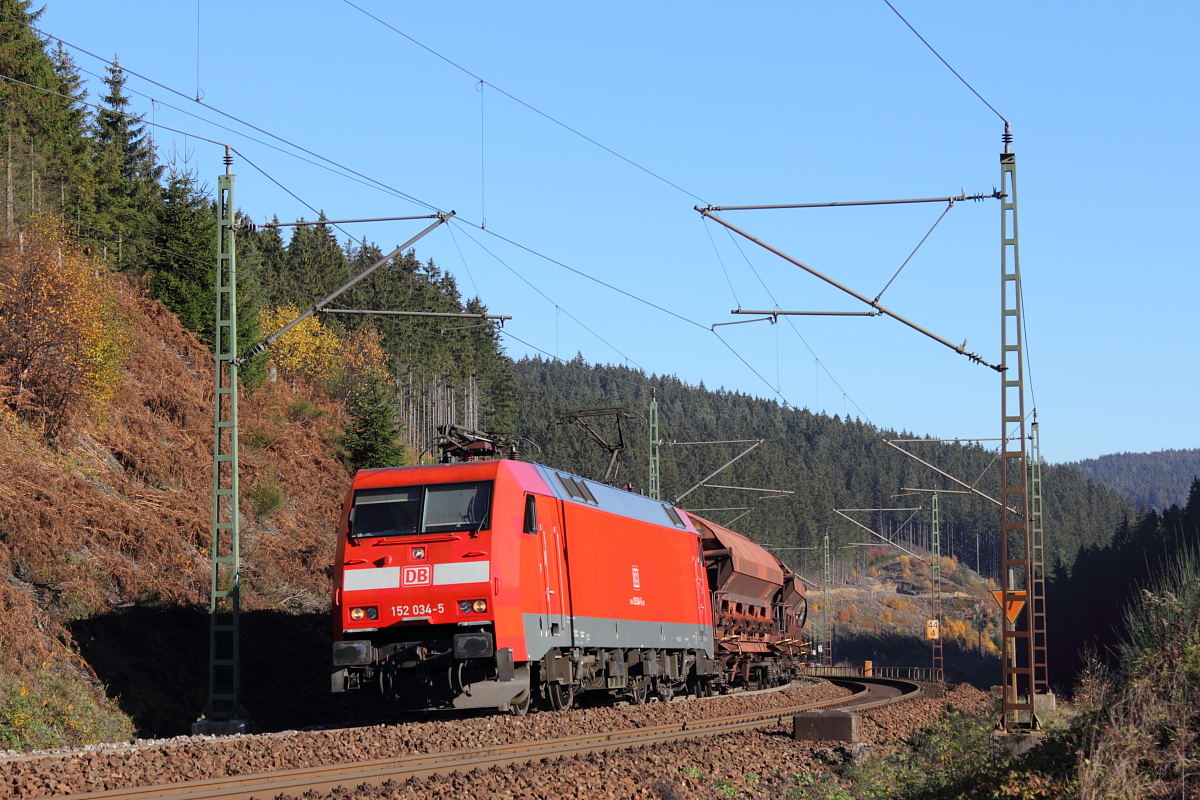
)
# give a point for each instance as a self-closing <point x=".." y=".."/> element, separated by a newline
<point x="552" y="541"/>
<point x="700" y="575"/>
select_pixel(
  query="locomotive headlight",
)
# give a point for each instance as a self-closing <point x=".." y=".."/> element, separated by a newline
<point x="479" y="606"/>
<point x="357" y="613"/>
<point x="464" y="606"/>
<point x="373" y="612"/>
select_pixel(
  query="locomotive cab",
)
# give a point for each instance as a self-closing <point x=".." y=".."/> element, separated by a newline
<point x="418" y="586"/>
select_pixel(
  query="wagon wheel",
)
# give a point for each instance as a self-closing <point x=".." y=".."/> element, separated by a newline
<point x="665" y="691"/>
<point x="639" y="689"/>
<point x="561" y="695"/>
<point x="519" y="707"/>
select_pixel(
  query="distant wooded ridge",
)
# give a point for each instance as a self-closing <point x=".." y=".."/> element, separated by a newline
<point x="1154" y="480"/>
<point x="829" y="462"/>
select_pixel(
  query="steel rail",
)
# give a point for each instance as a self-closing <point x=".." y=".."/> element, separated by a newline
<point x="327" y="778"/>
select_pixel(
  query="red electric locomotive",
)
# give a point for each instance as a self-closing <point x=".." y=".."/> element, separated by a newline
<point x="483" y="584"/>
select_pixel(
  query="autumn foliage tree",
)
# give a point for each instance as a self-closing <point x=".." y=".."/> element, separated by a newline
<point x="62" y="336"/>
<point x="338" y="361"/>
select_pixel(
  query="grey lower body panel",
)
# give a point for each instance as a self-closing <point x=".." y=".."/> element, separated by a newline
<point x="611" y="633"/>
<point x="544" y="632"/>
<point x="494" y="694"/>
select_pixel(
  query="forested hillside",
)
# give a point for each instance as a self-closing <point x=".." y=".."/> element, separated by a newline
<point x="107" y="256"/>
<point x="827" y="461"/>
<point x="91" y="163"/>
<point x="1154" y="480"/>
<point x="1086" y="606"/>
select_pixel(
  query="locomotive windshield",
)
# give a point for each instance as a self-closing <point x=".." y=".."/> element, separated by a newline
<point x="457" y="507"/>
<point x="412" y="510"/>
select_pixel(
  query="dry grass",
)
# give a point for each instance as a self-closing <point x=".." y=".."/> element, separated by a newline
<point x="1147" y="743"/>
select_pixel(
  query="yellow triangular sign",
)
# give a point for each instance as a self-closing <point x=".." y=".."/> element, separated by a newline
<point x="1012" y="609"/>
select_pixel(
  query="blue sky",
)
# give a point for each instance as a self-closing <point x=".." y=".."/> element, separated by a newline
<point x="768" y="103"/>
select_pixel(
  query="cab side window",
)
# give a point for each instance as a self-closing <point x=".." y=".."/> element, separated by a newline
<point x="530" y="514"/>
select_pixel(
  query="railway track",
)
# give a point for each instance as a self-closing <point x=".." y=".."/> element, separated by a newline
<point x="867" y="693"/>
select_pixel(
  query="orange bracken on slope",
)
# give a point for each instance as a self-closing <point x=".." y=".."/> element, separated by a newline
<point x="115" y="508"/>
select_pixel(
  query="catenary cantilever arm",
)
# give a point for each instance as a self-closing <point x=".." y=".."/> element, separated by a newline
<point x="320" y="304"/>
<point x="961" y="349"/>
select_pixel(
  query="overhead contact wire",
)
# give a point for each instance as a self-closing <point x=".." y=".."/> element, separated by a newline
<point x="297" y="197"/>
<point x="766" y="382"/>
<point x="550" y="300"/>
<point x="250" y="125"/>
<point x="399" y="192"/>
<point x="518" y="100"/>
<point x="582" y="274"/>
<point x="1024" y="328"/>
<point x="244" y="135"/>
<point x="133" y="117"/>
<point x="462" y="258"/>
<point x="113" y="237"/>
<point x="639" y="384"/>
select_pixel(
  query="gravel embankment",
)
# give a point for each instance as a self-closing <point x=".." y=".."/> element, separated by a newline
<point x="764" y="763"/>
<point x="194" y="758"/>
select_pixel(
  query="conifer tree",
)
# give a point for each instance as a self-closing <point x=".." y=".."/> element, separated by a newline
<point x="125" y="186"/>
<point x="315" y="259"/>
<point x="44" y="139"/>
<point x="185" y="231"/>
<point x="371" y="439"/>
<point x="66" y="143"/>
<point x="277" y="283"/>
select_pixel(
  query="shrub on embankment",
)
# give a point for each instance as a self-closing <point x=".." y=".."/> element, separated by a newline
<point x="1147" y="741"/>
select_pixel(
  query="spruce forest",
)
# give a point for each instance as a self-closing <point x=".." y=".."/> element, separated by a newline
<point x="106" y="323"/>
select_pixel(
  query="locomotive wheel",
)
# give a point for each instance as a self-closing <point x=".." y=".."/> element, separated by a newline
<point x="639" y="689"/>
<point x="518" y="707"/>
<point x="560" y="695"/>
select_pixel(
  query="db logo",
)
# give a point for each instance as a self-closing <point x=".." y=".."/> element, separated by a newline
<point x="637" y="579"/>
<point x="417" y="576"/>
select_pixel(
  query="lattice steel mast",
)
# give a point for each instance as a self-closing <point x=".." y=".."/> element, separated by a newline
<point x="936" y="546"/>
<point x="1016" y="568"/>
<point x="655" y="487"/>
<point x="1041" y="677"/>
<point x="826" y="616"/>
<point x="224" y="706"/>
